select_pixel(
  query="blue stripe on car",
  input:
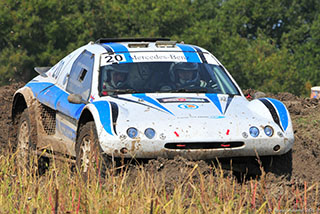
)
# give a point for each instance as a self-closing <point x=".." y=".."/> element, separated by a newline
<point x="107" y="48"/>
<point x="230" y="98"/>
<point x="189" y="53"/>
<point x="200" y="54"/>
<point x="104" y="111"/>
<point x="152" y="101"/>
<point x="215" y="99"/>
<point x="69" y="109"/>
<point x="282" y="112"/>
<point x="119" y="48"/>
<point x="57" y="99"/>
<point x="66" y="130"/>
<point x="272" y="111"/>
<point x="37" y="87"/>
<point x="133" y="101"/>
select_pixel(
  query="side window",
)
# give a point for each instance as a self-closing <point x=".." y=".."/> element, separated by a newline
<point x="80" y="77"/>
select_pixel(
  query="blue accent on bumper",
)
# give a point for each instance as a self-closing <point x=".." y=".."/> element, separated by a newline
<point x="152" y="101"/>
<point x="190" y="53"/>
<point x="215" y="99"/>
<point x="283" y="114"/>
<point x="104" y="110"/>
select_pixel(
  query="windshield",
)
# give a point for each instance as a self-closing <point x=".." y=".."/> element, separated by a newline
<point x="164" y="77"/>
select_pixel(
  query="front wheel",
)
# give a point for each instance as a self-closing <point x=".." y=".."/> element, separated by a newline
<point x="280" y="165"/>
<point x="25" y="148"/>
<point x="89" y="155"/>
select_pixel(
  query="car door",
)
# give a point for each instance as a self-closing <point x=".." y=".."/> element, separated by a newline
<point x="79" y="82"/>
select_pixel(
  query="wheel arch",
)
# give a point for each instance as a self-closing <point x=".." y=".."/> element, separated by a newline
<point x="22" y="99"/>
<point x="86" y="116"/>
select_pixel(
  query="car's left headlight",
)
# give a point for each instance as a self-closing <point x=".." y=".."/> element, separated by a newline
<point x="132" y="132"/>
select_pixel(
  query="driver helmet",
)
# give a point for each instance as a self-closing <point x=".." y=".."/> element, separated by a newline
<point x="184" y="73"/>
<point x="117" y="74"/>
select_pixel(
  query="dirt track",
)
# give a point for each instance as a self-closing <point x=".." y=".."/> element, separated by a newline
<point x="305" y="114"/>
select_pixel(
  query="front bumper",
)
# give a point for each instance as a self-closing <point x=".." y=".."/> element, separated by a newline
<point x="138" y="148"/>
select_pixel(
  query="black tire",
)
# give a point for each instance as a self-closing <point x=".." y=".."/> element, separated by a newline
<point x="25" y="148"/>
<point x="250" y="167"/>
<point x="280" y="165"/>
<point x="89" y="157"/>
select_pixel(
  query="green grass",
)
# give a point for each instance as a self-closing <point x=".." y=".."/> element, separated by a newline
<point x="61" y="190"/>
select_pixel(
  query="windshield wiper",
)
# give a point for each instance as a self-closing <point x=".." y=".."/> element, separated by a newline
<point x="189" y="90"/>
<point x="123" y="91"/>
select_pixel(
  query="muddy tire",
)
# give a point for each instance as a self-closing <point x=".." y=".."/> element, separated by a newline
<point x="90" y="160"/>
<point x="25" y="148"/>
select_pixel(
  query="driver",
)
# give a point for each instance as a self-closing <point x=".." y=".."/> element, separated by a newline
<point x="186" y="74"/>
<point x="116" y="76"/>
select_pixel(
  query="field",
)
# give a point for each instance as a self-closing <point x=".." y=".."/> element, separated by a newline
<point x="167" y="186"/>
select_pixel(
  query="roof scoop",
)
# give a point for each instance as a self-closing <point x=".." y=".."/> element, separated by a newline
<point x="166" y="44"/>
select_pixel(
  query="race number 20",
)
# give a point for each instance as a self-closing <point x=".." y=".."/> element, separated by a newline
<point x="108" y="59"/>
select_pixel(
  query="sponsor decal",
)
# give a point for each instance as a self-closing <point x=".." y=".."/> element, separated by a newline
<point x="182" y="99"/>
<point x="188" y="106"/>
<point x="158" y="57"/>
<point x="216" y="117"/>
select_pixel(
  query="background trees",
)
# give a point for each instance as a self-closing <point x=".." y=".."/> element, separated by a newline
<point x="268" y="45"/>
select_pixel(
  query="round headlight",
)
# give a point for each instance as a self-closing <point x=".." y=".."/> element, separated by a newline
<point x="254" y="131"/>
<point x="150" y="133"/>
<point x="132" y="132"/>
<point x="268" y="130"/>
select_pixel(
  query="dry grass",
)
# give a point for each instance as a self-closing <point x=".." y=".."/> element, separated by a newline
<point x="61" y="190"/>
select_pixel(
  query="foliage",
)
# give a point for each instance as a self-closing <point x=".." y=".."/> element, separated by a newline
<point x="270" y="45"/>
<point x="140" y="190"/>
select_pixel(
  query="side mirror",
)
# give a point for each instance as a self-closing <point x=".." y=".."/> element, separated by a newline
<point x="76" y="99"/>
<point x="258" y="95"/>
<point x="42" y="71"/>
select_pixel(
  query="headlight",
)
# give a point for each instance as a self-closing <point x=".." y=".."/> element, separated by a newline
<point x="132" y="132"/>
<point x="150" y="133"/>
<point x="268" y="130"/>
<point x="254" y="131"/>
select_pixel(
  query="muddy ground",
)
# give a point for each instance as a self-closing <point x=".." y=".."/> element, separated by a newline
<point x="305" y="114"/>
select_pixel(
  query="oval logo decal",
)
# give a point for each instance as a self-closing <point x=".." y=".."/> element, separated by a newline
<point x="188" y="106"/>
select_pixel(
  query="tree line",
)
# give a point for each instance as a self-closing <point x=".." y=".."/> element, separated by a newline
<point x="267" y="45"/>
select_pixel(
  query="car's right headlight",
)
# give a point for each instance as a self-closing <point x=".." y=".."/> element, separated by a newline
<point x="254" y="131"/>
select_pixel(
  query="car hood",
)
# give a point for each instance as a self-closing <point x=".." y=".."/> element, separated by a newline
<point x="194" y="115"/>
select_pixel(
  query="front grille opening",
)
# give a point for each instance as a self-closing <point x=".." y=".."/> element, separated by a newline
<point x="204" y="145"/>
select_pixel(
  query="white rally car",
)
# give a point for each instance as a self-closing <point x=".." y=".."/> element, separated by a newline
<point x="145" y="98"/>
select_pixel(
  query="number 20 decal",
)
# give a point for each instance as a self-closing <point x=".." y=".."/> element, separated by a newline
<point x="114" y="58"/>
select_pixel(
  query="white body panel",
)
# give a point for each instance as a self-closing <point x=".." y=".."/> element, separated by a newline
<point x="179" y="119"/>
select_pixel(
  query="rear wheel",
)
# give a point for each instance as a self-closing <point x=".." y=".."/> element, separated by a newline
<point x="89" y="157"/>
